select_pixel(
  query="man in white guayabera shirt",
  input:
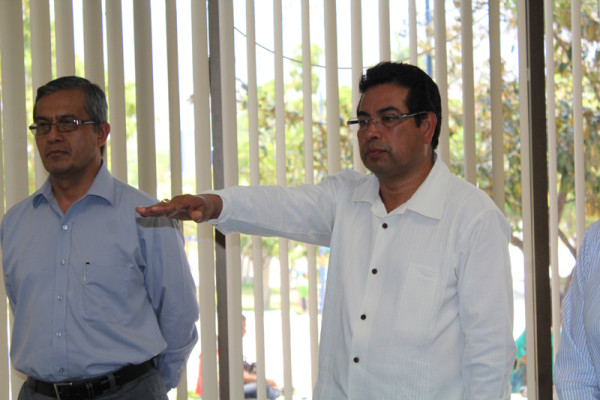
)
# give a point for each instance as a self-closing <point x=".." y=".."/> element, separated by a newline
<point x="419" y="289"/>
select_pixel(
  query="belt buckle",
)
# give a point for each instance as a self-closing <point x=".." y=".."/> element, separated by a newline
<point x="57" y="386"/>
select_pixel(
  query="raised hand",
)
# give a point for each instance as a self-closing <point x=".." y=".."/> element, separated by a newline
<point x="198" y="208"/>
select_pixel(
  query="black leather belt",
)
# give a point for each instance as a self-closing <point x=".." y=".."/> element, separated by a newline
<point x="88" y="389"/>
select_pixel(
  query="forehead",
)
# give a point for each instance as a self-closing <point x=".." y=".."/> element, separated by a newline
<point x="62" y="102"/>
<point x="383" y="97"/>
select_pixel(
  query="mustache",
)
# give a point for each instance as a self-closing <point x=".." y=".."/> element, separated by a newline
<point x="374" y="146"/>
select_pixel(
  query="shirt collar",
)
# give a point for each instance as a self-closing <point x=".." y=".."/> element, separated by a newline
<point x="430" y="197"/>
<point x="102" y="187"/>
<point x="428" y="200"/>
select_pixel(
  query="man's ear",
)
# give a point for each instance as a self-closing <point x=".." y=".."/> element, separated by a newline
<point x="103" y="131"/>
<point x="428" y="125"/>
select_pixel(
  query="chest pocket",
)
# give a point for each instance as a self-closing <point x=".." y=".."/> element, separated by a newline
<point x="417" y="299"/>
<point x="107" y="291"/>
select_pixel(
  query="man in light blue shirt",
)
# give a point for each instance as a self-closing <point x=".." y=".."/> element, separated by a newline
<point x="104" y="302"/>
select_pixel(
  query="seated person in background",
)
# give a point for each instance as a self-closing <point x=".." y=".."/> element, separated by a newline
<point x="250" y="387"/>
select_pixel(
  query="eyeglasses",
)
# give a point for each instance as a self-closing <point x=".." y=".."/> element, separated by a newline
<point x="62" y="125"/>
<point x="388" y="121"/>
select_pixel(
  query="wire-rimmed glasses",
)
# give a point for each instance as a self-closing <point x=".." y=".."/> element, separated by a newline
<point x="62" y="125"/>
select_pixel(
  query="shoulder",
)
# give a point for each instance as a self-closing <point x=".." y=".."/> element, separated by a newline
<point x="22" y="207"/>
<point x="466" y="191"/>
<point x="455" y="191"/>
<point x="18" y="217"/>
<point x="471" y="211"/>
<point x="350" y="175"/>
<point x="350" y="185"/>
<point x="130" y="194"/>
<point x="590" y="248"/>
<point x="468" y="198"/>
<point x="349" y="179"/>
<point x="588" y="255"/>
<point x="592" y="235"/>
<point x="129" y="197"/>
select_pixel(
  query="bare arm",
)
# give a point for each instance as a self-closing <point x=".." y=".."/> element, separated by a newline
<point x="198" y="208"/>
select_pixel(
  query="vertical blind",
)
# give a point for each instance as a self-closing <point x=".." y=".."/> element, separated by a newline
<point x="171" y="99"/>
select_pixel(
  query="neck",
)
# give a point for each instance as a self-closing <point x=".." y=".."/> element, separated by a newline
<point x="68" y="189"/>
<point x="398" y="190"/>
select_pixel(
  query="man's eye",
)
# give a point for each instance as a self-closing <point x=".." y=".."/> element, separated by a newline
<point x="67" y="124"/>
<point x="42" y="125"/>
<point x="363" y="122"/>
<point x="389" y="118"/>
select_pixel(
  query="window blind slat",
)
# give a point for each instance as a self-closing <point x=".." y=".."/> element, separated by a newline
<point x="116" y="90"/>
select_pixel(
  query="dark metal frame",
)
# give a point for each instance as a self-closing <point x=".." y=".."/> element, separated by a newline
<point x="219" y="183"/>
<point x="540" y="351"/>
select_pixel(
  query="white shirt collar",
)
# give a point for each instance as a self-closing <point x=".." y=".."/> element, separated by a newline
<point x="428" y="200"/>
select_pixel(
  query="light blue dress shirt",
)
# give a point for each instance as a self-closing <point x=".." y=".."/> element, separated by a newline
<point x="577" y="369"/>
<point x="97" y="288"/>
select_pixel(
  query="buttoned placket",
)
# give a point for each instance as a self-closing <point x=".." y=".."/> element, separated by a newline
<point x="370" y="300"/>
<point x="59" y="317"/>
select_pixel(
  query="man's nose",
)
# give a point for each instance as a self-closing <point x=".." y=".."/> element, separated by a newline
<point x="54" y="135"/>
<point x="373" y="128"/>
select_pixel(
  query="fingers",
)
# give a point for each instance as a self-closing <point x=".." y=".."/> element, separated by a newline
<point x="198" y="216"/>
<point x="157" y="210"/>
<point x="177" y="208"/>
<point x="198" y="208"/>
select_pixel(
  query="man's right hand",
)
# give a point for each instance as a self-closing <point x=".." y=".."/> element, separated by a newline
<point x="198" y="208"/>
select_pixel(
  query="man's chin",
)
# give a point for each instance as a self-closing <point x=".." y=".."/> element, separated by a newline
<point x="57" y="170"/>
<point x="375" y="166"/>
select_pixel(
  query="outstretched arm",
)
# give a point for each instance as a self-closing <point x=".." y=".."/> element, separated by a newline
<point x="198" y="208"/>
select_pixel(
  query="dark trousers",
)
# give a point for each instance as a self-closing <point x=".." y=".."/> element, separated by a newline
<point x="149" y="386"/>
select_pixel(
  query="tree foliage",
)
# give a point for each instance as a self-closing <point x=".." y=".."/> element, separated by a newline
<point x="563" y="78"/>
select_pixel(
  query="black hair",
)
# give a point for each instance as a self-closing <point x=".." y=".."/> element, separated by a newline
<point x="423" y="93"/>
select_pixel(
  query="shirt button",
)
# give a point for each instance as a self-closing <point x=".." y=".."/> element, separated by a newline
<point x="61" y="370"/>
<point x="374" y="271"/>
<point x="385" y="225"/>
<point x="356" y="360"/>
<point x="65" y="227"/>
<point x="59" y="297"/>
<point x="59" y="334"/>
<point x="63" y="261"/>
<point x="363" y="317"/>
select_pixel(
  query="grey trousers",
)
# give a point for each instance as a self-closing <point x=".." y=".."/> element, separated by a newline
<point x="149" y="386"/>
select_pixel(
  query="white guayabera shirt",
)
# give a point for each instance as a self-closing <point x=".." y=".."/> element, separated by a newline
<point x="419" y="300"/>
